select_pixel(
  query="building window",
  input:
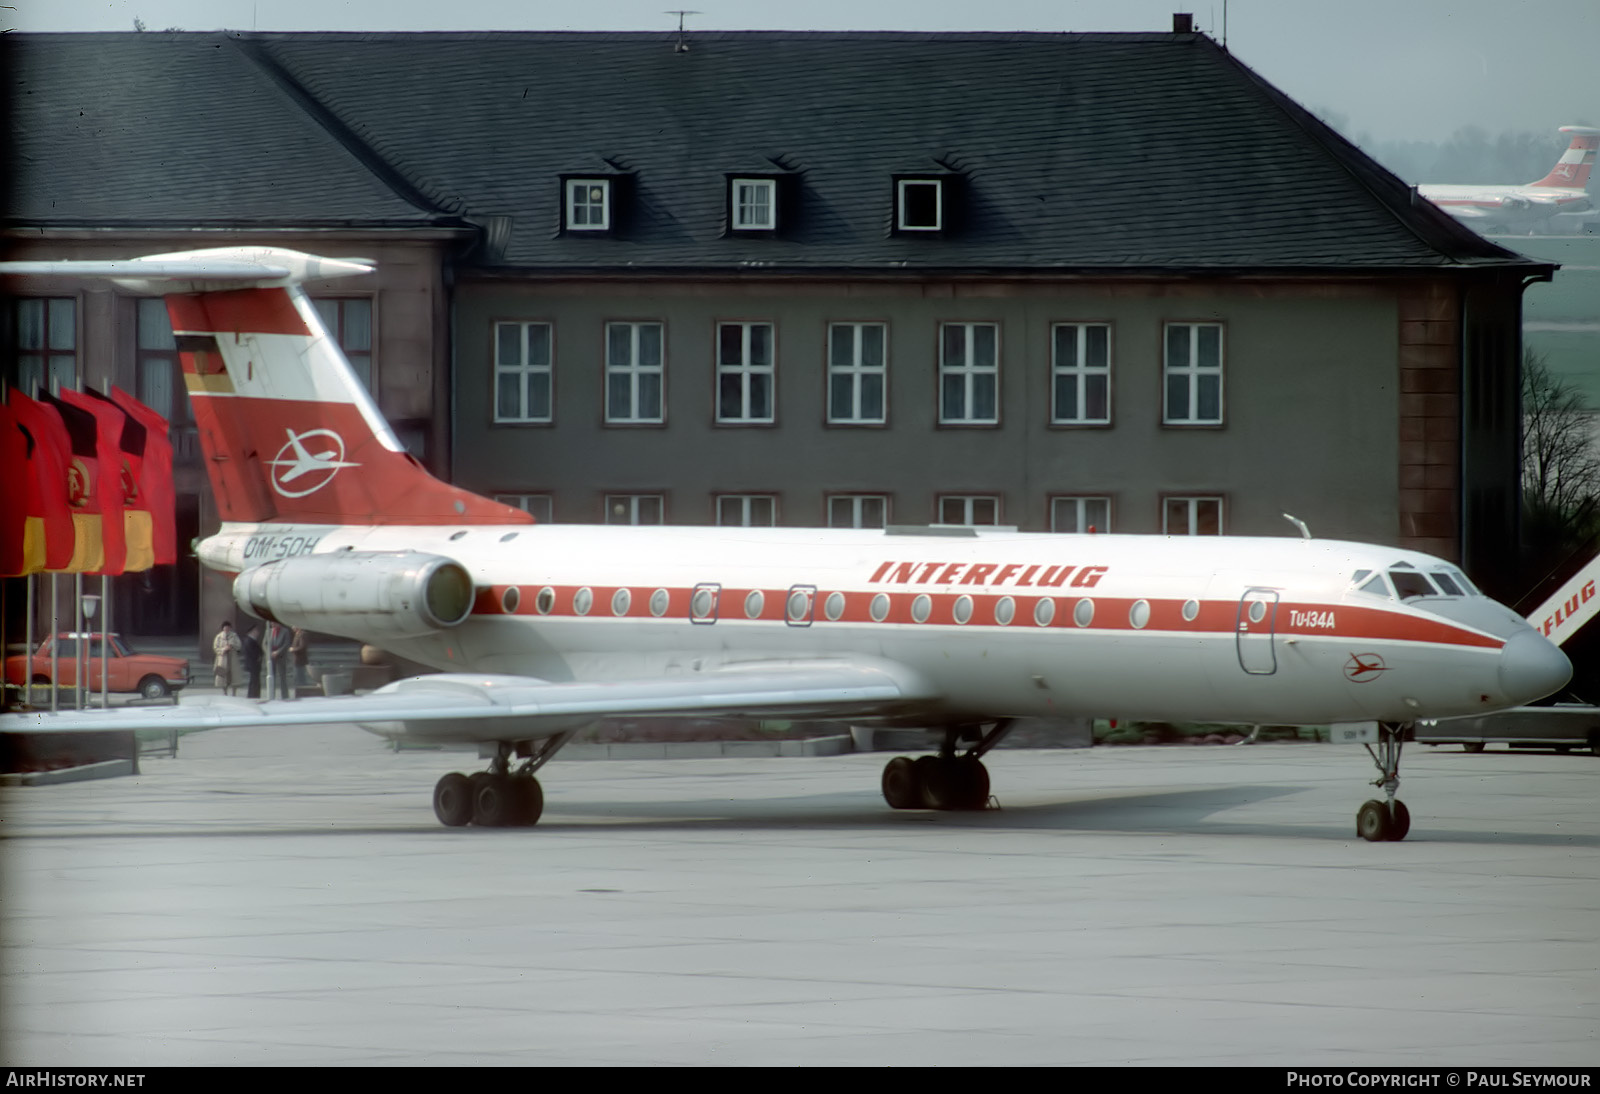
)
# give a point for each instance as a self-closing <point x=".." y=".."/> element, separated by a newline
<point x="753" y="204"/>
<point x="747" y="510"/>
<point x="1080" y="374"/>
<point x="919" y="205"/>
<point x="857" y="373"/>
<point x="522" y="372"/>
<point x="635" y="509"/>
<point x="540" y="506"/>
<point x="969" y="374"/>
<point x="1193" y="374"/>
<point x="158" y="377"/>
<point x="1192" y="516"/>
<point x="634" y="372"/>
<point x="46" y="343"/>
<point x="744" y="372"/>
<point x="969" y="509"/>
<point x="1080" y="514"/>
<point x="858" y="511"/>
<point x="588" y="205"/>
<point x="349" y="321"/>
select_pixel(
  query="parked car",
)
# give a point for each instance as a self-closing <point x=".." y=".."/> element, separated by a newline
<point x="150" y="675"/>
<point x="1561" y="726"/>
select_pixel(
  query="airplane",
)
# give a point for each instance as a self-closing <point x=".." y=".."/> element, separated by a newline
<point x="539" y="630"/>
<point x="1563" y="190"/>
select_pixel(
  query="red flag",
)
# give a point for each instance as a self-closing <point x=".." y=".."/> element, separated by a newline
<point x="156" y="478"/>
<point x="107" y="421"/>
<point x="49" y="458"/>
<point x="19" y="553"/>
<point x="136" y="518"/>
<point x="91" y="485"/>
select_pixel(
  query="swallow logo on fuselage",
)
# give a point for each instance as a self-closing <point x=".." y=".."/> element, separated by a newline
<point x="298" y="471"/>
<point x="1363" y="667"/>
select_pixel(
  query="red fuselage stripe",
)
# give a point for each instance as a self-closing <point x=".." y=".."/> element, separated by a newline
<point x="1344" y="621"/>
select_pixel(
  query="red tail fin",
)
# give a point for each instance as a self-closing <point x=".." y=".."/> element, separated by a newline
<point x="288" y="431"/>
<point x="1572" y="169"/>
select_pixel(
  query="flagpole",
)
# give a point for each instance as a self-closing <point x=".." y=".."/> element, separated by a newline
<point x="27" y="676"/>
<point x="78" y="666"/>
<point x="105" y="640"/>
<point x="55" y="646"/>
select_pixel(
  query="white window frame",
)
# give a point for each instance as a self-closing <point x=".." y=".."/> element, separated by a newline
<point x="1189" y="376"/>
<point x="579" y="204"/>
<point x="901" y="222"/>
<point x="855" y="375"/>
<point x="972" y="375"/>
<point x="747" y="213"/>
<point x="539" y="506"/>
<point x="747" y="510"/>
<point x="1077" y="513"/>
<point x="530" y="375"/>
<point x="748" y="374"/>
<point x="635" y="509"/>
<point x="1193" y="506"/>
<point x="852" y="507"/>
<point x="968" y="507"/>
<point x="636" y="372"/>
<point x="1079" y="375"/>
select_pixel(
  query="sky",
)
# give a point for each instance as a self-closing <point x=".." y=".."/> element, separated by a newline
<point x="1382" y="70"/>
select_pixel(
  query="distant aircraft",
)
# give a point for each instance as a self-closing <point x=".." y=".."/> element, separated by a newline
<point x="1524" y="208"/>
<point x="540" y="630"/>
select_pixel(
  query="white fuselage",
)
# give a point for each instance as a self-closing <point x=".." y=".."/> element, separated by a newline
<point x="1243" y="630"/>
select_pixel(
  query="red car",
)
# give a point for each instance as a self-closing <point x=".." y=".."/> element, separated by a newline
<point x="151" y="675"/>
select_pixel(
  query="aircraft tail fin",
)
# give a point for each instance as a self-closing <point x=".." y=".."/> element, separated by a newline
<point x="287" y="429"/>
<point x="1572" y="169"/>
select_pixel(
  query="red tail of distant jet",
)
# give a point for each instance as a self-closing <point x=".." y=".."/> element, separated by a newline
<point x="1491" y="208"/>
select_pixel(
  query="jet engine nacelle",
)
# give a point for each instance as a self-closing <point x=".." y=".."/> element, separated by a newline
<point x="394" y="594"/>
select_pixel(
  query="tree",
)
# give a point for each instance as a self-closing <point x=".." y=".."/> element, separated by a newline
<point x="1560" y="465"/>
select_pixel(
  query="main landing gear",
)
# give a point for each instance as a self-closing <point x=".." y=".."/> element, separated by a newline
<point x="1378" y="821"/>
<point x="949" y="781"/>
<point x="498" y="797"/>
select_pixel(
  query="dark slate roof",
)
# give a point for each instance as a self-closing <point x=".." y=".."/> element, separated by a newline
<point x="1076" y="152"/>
<point x="173" y="130"/>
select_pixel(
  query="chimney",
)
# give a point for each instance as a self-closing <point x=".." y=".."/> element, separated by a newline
<point x="1182" y="22"/>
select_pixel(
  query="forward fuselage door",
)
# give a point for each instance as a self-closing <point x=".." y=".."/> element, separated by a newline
<point x="1258" y="615"/>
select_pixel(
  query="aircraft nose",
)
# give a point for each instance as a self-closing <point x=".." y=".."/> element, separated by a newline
<point x="1531" y="667"/>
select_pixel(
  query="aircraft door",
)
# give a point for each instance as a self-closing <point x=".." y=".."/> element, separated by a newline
<point x="1258" y="614"/>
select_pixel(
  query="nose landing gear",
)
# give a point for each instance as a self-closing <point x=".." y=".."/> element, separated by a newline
<point x="1388" y="820"/>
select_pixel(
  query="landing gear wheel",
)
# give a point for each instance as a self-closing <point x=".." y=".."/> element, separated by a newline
<point x="1472" y="746"/>
<point x="495" y="803"/>
<point x="529" y="796"/>
<point x="452" y="800"/>
<point x="953" y="782"/>
<point x="1372" y="822"/>
<point x="900" y="785"/>
<point x="1399" y="821"/>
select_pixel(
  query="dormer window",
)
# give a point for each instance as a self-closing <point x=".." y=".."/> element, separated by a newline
<point x="588" y="205"/>
<point x="919" y="205"/>
<point x="753" y="205"/>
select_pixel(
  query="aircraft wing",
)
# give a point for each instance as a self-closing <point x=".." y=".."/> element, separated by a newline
<point x="481" y="707"/>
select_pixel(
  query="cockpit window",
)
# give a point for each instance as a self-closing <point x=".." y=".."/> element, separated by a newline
<point x="1447" y="583"/>
<point x="1377" y="586"/>
<point x="1411" y="584"/>
<point x="1462" y="580"/>
<point x="1360" y="576"/>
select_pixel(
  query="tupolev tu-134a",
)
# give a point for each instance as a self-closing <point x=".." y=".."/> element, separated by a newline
<point x="540" y="630"/>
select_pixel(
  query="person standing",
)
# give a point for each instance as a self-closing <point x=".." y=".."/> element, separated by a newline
<point x="252" y="663"/>
<point x="225" y="659"/>
<point x="278" y="650"/>
<point x="300" y="654"/>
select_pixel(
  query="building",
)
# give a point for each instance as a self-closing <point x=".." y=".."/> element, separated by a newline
<point x="1047" y="280"/>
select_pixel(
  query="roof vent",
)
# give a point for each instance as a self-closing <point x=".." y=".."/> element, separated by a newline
<point x="1182" y="22"/>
